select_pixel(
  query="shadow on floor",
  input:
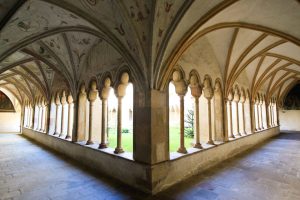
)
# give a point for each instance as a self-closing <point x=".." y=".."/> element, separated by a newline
<point x="289" y="135"/>
<point x="125" y="190"/>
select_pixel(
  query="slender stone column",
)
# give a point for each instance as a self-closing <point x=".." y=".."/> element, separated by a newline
<point x="57" y="103"/>
<point x="121" y="92"/>
<point x="208" y="94"/>
<point x="230" y="98"/>
<point x="63" y="113"/>
<point x="181" y="89"/>
<point x="104" y="97"/>
<point x="196" y="93"/>
<point x="92" y="97"/>
<point x="237" y="99"/>
<point x="38" y="115"/>
<point x="70" y="107"/>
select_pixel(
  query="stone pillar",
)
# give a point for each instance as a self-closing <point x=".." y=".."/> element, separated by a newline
<point x="261" y="112"/>
<point x="38" y="127"/>
<point x="196" y="92"/>
<point x="25" y="119"/>
<point x="81" y="114"/>
<point x="230" y="98"/>
<point x="243" y="100"/>
<point x="218" y="111"/>
<point x="208" y="94"/>
<point x="70" y="107"/>
<point x="57" y="103"/>
<point x="63" y="113"/>
<point x="92" y="97"/>
<point x="32" y="114"/>
<point x="267" y="113"/>
<point x="236" y="100"/>
<point x="42" y="128"/>
<point x="104" y="96"/>
<point x="121" y="92"/>
<point x="47" y="116"/>
<point x="277" y="113"/>
<point x="181" y="89"/>
<point x="256" y="114"/>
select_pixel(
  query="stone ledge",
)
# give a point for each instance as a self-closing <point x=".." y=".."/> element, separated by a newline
<point x="151" y="178"/>
<point x="168" y="173"/>
<point x="125" y="170"/>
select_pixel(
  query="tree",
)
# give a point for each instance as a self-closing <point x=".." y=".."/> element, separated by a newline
<point x="189" y="124"/>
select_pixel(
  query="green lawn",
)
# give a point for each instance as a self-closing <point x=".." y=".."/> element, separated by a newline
<point x="175" y="140"/>
<point x="127" y="139"/>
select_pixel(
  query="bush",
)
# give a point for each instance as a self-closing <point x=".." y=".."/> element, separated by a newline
<point x="189" y="132"/>
<point x="125" y="130"/>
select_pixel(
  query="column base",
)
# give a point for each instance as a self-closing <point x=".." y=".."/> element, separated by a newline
<point x="118" y="150"/>
<point x="68" y="137"/>
<point x="55" y="133"/>
<point x="102" y="146"/>
<point x="61" y="135"/>
<point x="198" y="146"/>
<point x="232" y="136"/>
<point x="211" y="142"/>
<point x="239" y="134"/>
<point x="89" y="142"/>
<point x="182" y="150"/>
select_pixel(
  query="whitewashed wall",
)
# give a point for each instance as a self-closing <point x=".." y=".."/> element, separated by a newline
<point x="289" y="120"/>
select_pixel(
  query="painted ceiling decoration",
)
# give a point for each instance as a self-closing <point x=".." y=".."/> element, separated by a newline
<point x="5" y="103"/>
<point x="46" y="45"/>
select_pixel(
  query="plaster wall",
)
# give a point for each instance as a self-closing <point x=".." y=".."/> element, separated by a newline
<point x="10" y="121"/>
<point x="289" y="120"/>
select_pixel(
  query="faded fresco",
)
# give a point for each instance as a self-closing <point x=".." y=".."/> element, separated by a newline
<point x="292" y="99"/>
<point x="5" y="103"/>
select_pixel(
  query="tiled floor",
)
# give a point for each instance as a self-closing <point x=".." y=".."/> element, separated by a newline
<point x="270" y="171"/>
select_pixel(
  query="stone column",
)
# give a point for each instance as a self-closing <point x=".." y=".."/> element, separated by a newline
<point x="70" y="106"/>
<point x="267" y="113"/>
<point x="236" y="100"/>
<point x="32" y="114"/>
<point x="57" y="103"/>
<point x="261" y="112"/>
<point x="196" y="93"/>
<point x="81" y="114"/>
<point x="243" y="100"/>
<point x="230" y="98"/>
<point x="92" y="97"/>
<point x="104" y="96"/>
<point x="42" y="128"/>
<point x="63" y="113"/>
<point x="25" y="119"/>
<point x="257" y="114"/>
<point x="121" y="92"/>
<point x="181" y="89"/>
<point x="218" y="113"/>
<point x="38" y="115"/>
<point x="208" y="94"/>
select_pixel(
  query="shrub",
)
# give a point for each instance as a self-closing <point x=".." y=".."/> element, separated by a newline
<point x="125" y="130"/>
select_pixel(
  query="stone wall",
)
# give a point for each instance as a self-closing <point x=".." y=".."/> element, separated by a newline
<point x="289" y="120"/>
<point x="151" y="178"/>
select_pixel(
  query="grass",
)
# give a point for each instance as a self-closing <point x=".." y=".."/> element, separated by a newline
<point x="127" y="139"/>
<point x="175" y="140"/>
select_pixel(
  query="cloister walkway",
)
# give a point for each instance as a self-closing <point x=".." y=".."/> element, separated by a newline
<point x="270" y="171"/>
